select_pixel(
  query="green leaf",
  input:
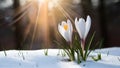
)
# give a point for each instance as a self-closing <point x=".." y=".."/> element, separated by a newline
<point x="93" y="48"/>
<point x="88" y="47"/>
<point x="98" y="57"/>
<point x="101" y="43"/>
<point x="5" y="53"/>
<point x="95" y="59"/>
<point x="46" y="52"/>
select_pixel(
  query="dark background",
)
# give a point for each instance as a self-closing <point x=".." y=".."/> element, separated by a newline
<point x="104" y="13"/>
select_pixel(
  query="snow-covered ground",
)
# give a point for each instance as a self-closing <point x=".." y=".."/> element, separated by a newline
<point x="37" y="59"/>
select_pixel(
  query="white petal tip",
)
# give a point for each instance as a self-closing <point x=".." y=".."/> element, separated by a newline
<point x="88" y="18"/>
<point x="76" y="18"/>
<point x="68" y="21"/>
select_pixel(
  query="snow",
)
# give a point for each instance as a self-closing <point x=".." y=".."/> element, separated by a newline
<point x="37" y="59"/>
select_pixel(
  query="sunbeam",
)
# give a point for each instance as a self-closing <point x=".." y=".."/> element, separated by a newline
<point x="65" y="13"/>
<point x="35" y="27"/>
<point x="44" y="15"/>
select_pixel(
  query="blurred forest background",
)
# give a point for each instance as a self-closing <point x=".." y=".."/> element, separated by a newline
<point x="18" y="28"/>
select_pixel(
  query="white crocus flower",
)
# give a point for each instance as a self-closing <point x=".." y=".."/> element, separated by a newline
<point x="83" y="27"/>
<point x="66" y="29"/>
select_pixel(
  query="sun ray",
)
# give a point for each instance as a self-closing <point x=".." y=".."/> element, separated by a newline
<point x="40" y="22"/>
<point x="21" y="12"/>
<point x="35" y="27"/>
<point x="44" y="25"/>
<point x="72" y="12"/>
<point x="65" y="13"/>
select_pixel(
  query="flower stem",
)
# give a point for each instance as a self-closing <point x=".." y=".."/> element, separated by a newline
<point x="82" y="45"/>
<point x="72" y="52"/>
<point x="78" y="58"/>
<point x="72" y="55"/>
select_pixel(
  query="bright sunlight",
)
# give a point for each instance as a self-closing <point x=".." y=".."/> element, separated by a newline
<point x="44" y="16"/>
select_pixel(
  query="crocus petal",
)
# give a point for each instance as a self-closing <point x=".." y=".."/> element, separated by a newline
<point x="63" y="23"/>
<point x="77" y="27"/>
<point x="87" y="27"/>
<point x="63" y="32"/>
<point x="80" y="26"/>
<point x="70" y="29"/>
<point x="67" y="36"/>
<point x="66" y="30"/>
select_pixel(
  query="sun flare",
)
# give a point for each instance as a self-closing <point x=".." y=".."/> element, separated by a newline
<point x="44" y="15"/>
<point x="51" y="3"/>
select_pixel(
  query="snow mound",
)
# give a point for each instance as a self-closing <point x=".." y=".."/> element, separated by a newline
<point x="37" y="59"/>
